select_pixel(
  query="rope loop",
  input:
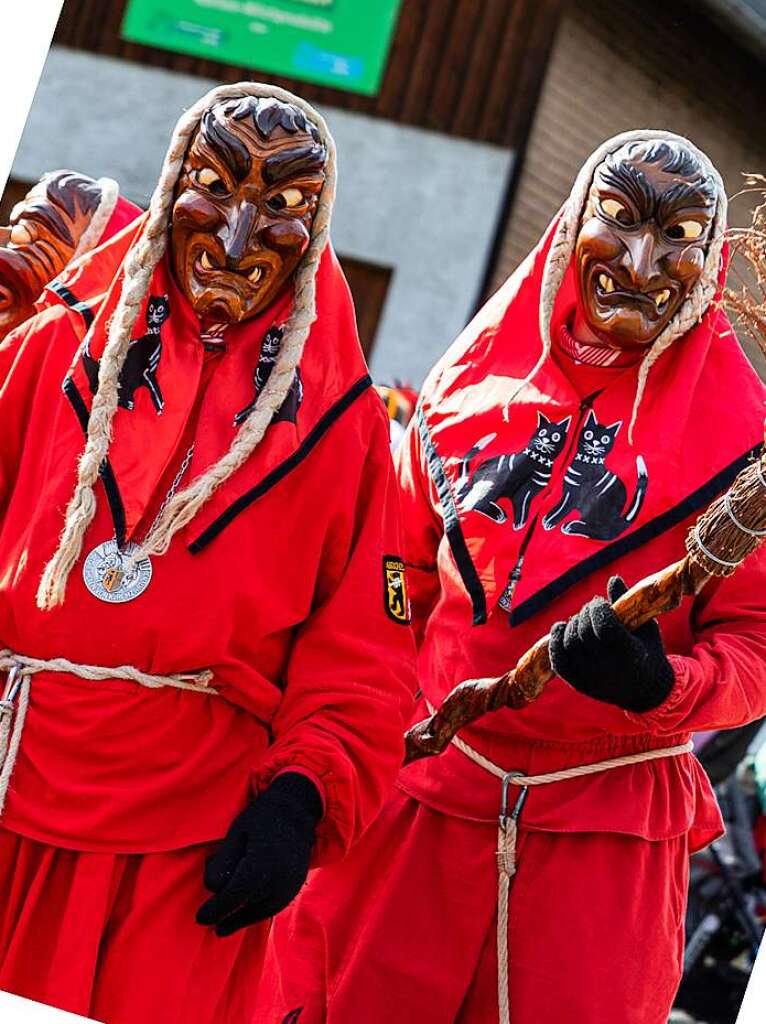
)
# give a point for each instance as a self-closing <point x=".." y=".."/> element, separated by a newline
<point x="507" y="833"/>
<point x="730" y="513"/>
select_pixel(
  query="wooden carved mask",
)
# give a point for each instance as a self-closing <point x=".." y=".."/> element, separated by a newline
<point x="642" y="241"/>
<point x="244" y="206"/>
<point x="42" y="237"/>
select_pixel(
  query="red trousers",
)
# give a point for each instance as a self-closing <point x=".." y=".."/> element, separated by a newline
<point x="113" y="937"/>
<point x="404" y="929"/>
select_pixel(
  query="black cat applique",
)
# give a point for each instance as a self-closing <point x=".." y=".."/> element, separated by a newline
<point x="268" y="357"/>
<point x="142" y="361"/>
<point x="517" y="478"/>
<point x="594" y="491"/>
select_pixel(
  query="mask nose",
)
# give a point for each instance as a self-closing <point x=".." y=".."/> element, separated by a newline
<point x="240" y="234"/>
<point x="640" y="259"/>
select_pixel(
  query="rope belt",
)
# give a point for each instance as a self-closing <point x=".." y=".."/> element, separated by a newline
<point x="508" y="829"/>
<point x="15" y="698"/>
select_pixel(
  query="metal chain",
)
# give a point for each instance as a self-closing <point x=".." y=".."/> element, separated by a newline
<point x="173" y="487"/>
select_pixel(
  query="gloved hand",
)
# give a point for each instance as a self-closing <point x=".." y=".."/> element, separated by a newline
<point x="263" y="861"/>
<point x="598" y="656"/>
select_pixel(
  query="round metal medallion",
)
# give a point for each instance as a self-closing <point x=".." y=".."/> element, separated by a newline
<point x="107" y="578"/>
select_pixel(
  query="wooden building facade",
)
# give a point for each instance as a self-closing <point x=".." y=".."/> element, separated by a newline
<point x="542" y="81"/>
<point x="468" y="69"/>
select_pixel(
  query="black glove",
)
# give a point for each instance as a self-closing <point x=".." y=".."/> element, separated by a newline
<point x="598" y="656"/>
<point x="262" y="863"/>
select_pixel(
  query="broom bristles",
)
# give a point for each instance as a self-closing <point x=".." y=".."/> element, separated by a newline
<point x="747" y="301"/>
<point x="732" y="528"/>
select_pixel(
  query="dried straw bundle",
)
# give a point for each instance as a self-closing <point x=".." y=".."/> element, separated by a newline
<point x="747" y="302"/>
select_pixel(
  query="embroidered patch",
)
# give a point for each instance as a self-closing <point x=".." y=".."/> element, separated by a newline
<point x="396" y="597"/>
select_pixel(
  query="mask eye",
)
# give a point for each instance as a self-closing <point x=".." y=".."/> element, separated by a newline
<point x="211" y="180"/>
<point x="615" y="210"/>
<point x="686" y="231"/>
<point x="20" y="234"/>
<point x="287" y="199"/>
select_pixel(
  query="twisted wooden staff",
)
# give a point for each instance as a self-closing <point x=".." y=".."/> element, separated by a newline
<point x="724" y="535"/>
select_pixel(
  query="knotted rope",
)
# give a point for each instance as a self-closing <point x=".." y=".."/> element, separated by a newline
<point x="507" y="833"/>
<point x="15" y="700"/>
<point x="139" y="267"/>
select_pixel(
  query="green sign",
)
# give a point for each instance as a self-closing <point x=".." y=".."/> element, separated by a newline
<point x="342" y="43"/>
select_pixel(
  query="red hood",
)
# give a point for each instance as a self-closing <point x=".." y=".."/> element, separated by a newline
<point x="124" y="213"/>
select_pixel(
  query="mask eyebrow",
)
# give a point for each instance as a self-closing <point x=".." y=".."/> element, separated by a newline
<point x="225" y="145"/>
<point x="627" y="179"/>
<point x="288" y="163"/>
<point x="683" y="195"/>
<point x="47" y="215"/>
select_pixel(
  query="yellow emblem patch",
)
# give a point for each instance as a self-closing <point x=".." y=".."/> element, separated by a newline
<point x="396" y="595"/>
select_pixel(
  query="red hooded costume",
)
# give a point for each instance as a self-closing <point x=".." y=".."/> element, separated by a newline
<point x="278" y="588"/>
<point x="499" y="547"/>
<point x="112" y="214"/>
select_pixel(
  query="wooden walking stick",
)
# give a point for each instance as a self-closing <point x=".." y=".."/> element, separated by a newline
<point x="724" y="535"/>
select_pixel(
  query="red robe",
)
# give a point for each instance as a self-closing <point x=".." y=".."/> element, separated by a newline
<point x="278" y="586"/>
<point x="514" y="518"/>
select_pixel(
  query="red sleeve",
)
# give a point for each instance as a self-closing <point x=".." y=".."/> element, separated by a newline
<point x="350" y="678"/>
<point x="21" y="354"/>
<point x="423" y="529"/>
<point x="722" y="683"/>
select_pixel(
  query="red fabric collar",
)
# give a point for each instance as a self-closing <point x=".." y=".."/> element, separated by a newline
<point x="586" y="377"/>
<point x="593" y="355"/>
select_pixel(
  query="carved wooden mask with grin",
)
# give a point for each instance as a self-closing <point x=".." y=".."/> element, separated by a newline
<point x="42" y="237"/>
<point x="245" y="205"/>
<point x="642" y="241"/>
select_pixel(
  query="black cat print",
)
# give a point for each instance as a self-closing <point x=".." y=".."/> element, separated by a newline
<point x="594" y="500"/>
<point x="270" y="348"/>
<point x="594" y="491"/>
<point x="142" y="361"/>
<point x="517" y="478"/>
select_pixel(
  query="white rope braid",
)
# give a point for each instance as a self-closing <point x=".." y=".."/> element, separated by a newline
<point x="91" y="237"/>
<point x="508" y="835"/>
<point x="563" y="245"/>
<point x="139" y="267"/>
